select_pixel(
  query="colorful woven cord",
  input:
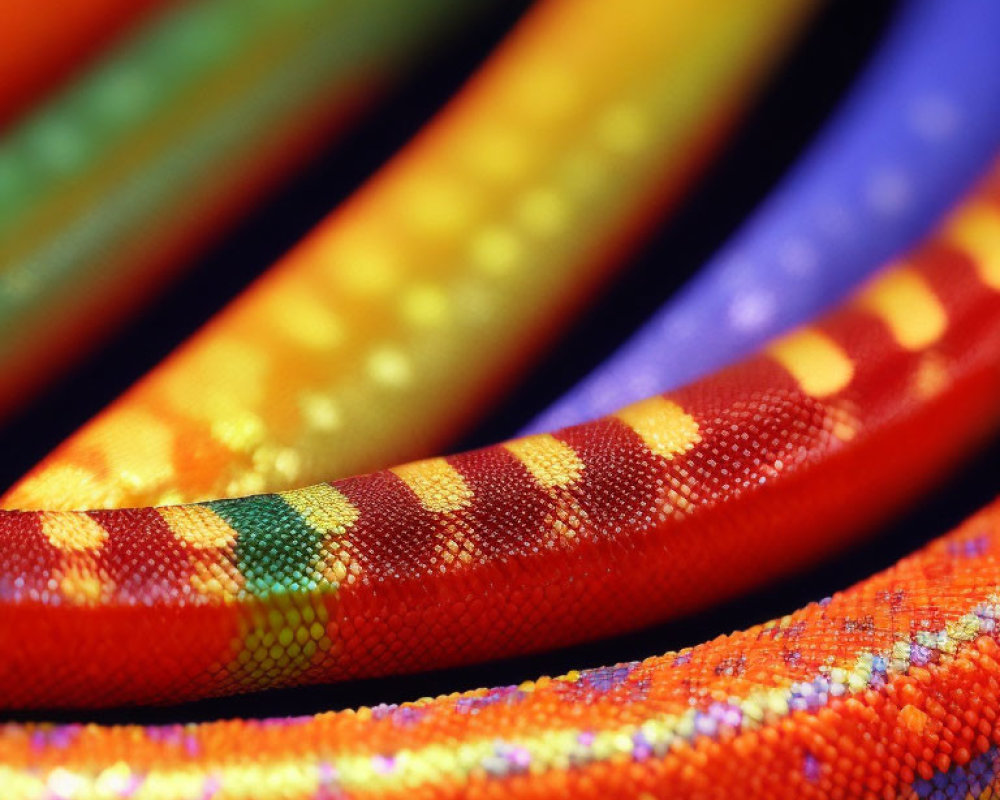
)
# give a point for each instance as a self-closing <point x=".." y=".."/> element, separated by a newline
<point x="385" y="330"/>
<point x="616" y="523"/>
<point x="598" y="529"/>
<point x="378" y="337"/>
<point x="115" y="180"/>
<point x="921" y="124"/>
<point x="888" y="690"/>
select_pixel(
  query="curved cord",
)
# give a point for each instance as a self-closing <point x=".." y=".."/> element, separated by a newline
<point x="114" y="182"/>
<point x="890" y="689"/>
<point x="378" y="337"/>
<point x="922" y="122"/>
<point x="537" y="542"/>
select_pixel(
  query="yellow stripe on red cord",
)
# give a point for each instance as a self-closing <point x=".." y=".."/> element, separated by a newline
<point x="590" y="530"/>
<point x="371" y="342"/>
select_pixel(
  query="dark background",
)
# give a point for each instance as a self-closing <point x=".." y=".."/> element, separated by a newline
<point x="793" y="107"/>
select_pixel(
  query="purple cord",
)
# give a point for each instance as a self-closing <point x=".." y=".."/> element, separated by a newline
<point x="919" y="126"/>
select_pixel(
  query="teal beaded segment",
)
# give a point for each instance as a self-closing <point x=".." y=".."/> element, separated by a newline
<point x="277" y="552"/>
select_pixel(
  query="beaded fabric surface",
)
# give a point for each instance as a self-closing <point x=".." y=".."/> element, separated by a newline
<point x="918" y="128"/>
<point x="380" y="336"/>
<point x="890" y="689"/>
<point x="616" y="523"/>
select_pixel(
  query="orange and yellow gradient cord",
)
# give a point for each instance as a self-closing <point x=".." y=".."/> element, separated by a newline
<point x="111" y="186"/>
<point x="411" y="304"/>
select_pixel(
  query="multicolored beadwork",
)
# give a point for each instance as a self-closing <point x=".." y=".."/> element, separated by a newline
<point x="374" y="341"/>
<point x="920" y="125"/>
<point x="593" y="530"/>
<point x="889" y="689"/>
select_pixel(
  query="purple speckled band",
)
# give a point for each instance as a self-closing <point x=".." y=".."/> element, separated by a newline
<point x="922" y="122"/>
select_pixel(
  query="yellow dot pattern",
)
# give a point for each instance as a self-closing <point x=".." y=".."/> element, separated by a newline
<point x="904" y="301"/>
<point x="81" y="586"/>
<point x="437" y="484"/>
<point x="975" y="229"/>
<point x="664" y="426"/>
<point x="818" y="364"/>
<point x="69" y="531"/>
<point x="297" y="312"/>
<point x="198" y="527"/>
<point x="932" y="375"/>
<point x="551" y="462"/>
<point x="35" y="489"/>
<point x="426" y="305"/>
<point x="323" y="508"/>
<point x="138" y="453"/>
<point x="368" y="344"/>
